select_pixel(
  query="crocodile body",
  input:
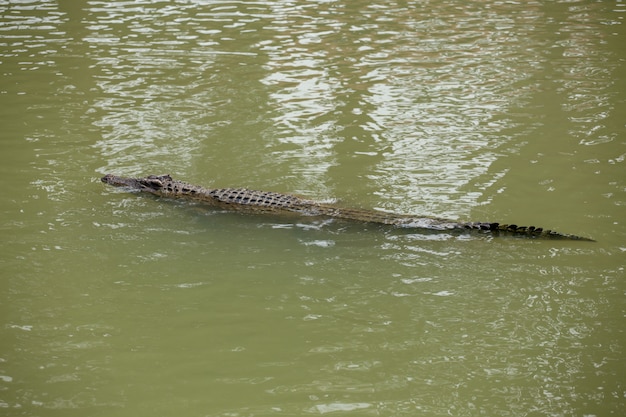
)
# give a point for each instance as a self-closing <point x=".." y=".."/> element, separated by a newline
<point x="251" y="201"/>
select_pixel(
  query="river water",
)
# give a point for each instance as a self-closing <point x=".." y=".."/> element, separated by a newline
<point x="117" y="304"/>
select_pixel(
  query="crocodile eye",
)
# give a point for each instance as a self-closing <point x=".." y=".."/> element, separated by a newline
<point x="153" y="182"/>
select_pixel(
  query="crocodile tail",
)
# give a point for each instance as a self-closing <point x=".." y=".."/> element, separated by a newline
<point x="530" y="231"/>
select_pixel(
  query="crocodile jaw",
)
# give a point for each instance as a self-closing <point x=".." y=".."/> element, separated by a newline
<point x="152" y="183"/>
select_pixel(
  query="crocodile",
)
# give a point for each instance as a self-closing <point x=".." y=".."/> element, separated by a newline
<point x="252" y="201"/>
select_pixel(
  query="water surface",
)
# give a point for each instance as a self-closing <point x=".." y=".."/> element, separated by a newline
<point x="118" y="304"/>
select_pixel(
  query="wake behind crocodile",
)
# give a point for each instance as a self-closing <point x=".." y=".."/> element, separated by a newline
<point x="252" y="201"/>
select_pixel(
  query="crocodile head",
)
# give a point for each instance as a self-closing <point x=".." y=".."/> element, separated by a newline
<point x="152" y="183"/>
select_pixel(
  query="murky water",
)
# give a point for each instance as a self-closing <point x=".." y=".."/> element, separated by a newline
<point x="119" y="304"/>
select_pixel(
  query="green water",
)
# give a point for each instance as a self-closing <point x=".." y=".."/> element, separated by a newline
<point x="116" y="304"/>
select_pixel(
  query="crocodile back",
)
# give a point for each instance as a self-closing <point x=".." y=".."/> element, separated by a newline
<point x="264" y="200"/>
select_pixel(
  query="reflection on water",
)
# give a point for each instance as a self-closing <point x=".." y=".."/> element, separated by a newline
<point x="114" y="302"/>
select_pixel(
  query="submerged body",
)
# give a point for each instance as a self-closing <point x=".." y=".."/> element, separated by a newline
<point x="242" y="199"/>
